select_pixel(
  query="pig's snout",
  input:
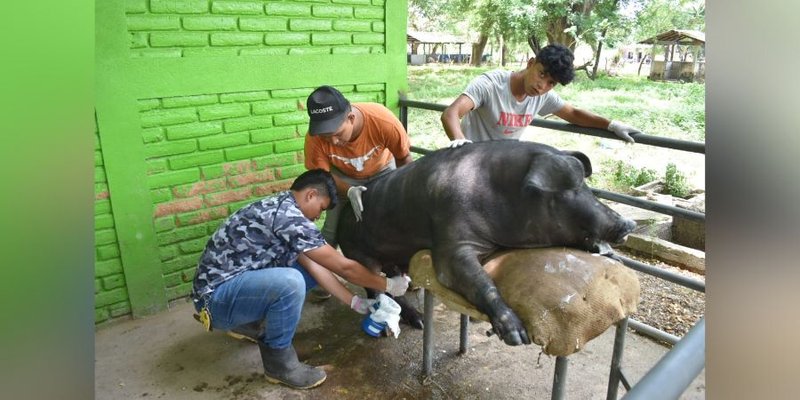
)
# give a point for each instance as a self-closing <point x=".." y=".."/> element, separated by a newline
<point x="624" y="227"/>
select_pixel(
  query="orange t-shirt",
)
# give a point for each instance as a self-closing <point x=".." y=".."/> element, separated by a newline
<point x="382" y="137"/>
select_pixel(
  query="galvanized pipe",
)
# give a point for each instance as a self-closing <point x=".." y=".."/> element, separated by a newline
<point x="641" y="138"/>
<point x="652" y="332"/>
<point x="427" y="335"/>
<point x="404" y="116"/>
<point x="690" y="283"/>
<point x="615" y="375"/>
<point x="420" y="150"/>
<point x="650" y="205"/>
<point x="559" y="378"/>
<point x="464" y="338"/>
<point x="422" y="105"/>
<point x="670" y="377"/>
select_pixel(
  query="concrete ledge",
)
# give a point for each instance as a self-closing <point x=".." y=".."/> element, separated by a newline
<point x="681" y="256"/>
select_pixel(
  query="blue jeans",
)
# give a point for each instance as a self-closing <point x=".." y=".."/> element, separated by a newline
<point x="272" y="295"/>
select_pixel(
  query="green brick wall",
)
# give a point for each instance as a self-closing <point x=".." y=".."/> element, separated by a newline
<point x="197" y="28"/>
<point x="200" y="110"/>
<point x="209" y="155"/>
<point x="110" y="293"/>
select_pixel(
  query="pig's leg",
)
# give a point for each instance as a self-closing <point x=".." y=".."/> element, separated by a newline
<point x="457" y="267"/>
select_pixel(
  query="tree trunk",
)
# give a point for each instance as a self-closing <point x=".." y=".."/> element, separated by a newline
<point x="503" y="50"/>
<point x="641" y="62"/>
<point x="534" y="44"/>
<point x="556" y="34"/>
<point x="477" y="50"/>
<point x="483" y="38"/>
<point x="599" y="49"/>
<point x="593" y="75"/>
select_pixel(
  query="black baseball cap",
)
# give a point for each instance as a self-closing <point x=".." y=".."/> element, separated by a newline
<point x="327" y="109"/>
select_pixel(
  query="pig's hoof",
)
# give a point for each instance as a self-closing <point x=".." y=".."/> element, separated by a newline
<point x="511" y="330"/>
<point x="512" y="338"/>
<point x="412" y="318"/>
<point x="417" y="324"/>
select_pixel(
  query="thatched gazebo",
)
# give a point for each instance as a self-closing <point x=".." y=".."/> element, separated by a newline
<point x="431" y="42"/>
<point x="681" y="69"/>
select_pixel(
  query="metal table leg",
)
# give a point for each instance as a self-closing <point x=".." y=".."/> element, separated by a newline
<point x="427" y="335"/>
<point x="616" y="360"/>
<point x="559" y="378"/>
<point x="464" y="339"/>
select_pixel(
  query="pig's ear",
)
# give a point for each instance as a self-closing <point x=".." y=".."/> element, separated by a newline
<point x="584" y="159"/>
<point x="554" y="173"/>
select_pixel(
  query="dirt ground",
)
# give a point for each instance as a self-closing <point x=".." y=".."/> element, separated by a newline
<point x="169" y="356"/>
<point x="668" y="306"/>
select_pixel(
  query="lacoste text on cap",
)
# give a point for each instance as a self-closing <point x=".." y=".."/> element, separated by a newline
<point x="327" y="109"/>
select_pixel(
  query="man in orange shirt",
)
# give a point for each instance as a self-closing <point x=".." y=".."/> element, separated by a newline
<point x="356" y="143"/>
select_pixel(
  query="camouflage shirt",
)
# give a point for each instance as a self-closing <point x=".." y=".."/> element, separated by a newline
<point x="269" y="233"/>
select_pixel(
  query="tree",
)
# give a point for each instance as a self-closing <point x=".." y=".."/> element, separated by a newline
<point x="566" y="22"/>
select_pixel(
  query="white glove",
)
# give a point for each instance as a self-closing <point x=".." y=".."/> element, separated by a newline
<point x="398" y="285"/>
<point x="362" y="305"/>
<point x="458" y="143"/>
<point x="623" y="131"/>
<point x="354" y="194"/>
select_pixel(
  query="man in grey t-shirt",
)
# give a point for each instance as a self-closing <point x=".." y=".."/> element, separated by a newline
<point x="498" y="104"/>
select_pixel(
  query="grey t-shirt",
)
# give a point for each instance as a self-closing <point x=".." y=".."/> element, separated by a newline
<point x="497" y="114"/>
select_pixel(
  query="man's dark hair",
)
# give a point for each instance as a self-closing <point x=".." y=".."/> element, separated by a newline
<point x="318" y="179"/>
<point x="557" y="62"/>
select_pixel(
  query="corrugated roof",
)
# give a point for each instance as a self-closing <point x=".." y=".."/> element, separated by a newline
<point x="434" y="37"/>
<point x="677" y="36"/>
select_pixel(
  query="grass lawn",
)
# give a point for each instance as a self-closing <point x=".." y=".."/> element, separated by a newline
<point x="668" y="109"/>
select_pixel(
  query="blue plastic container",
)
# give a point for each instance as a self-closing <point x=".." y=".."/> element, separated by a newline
<point x="370" y="327"/>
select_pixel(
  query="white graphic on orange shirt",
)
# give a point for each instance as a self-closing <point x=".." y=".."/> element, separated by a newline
<point x="357" y="162"/>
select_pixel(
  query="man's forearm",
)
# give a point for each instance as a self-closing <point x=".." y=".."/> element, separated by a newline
<point x="452" y="125"/>
<point x="587" y="119"/>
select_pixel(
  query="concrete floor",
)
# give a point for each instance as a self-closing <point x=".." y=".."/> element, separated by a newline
<point x="170" y="356"/>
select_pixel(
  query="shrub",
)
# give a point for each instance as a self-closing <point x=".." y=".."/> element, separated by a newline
<point x="625" y="176"/>
<point x="675" y="182"/>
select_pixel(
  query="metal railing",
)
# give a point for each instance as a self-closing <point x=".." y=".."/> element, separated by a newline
<point x="675" y="371"/>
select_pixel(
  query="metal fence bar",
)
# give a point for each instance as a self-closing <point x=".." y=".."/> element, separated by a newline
<point x="420" y="150"/>
<point x="641" y="138"/>
<point x="690" y="283"/>
<point x="670" y="377"/>
<point x="615" y="375"/>
<point x="404" y="115"/>
<point x="421" y="104"/>
<point x="654" y="333"/>
<point x="650" y="205"/>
